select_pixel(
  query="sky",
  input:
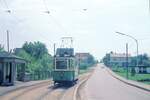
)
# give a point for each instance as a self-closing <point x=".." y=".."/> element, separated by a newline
<point x="91" y="23"/>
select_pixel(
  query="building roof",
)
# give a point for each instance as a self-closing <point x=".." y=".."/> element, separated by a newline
<point x="6" y="55"/>
<point x="82" y="55"/>
<point x="119" y="55"/>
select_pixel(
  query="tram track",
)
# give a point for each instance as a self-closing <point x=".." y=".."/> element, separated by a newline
<point x="47" y="91"/>
<point x="56" y="94"/>
<point x="73" y="92"/>
<point x="53" y="91"/>
<point x="77" y="94"/>
<point x="16" y="94"/>
<point x="61" y="92"/>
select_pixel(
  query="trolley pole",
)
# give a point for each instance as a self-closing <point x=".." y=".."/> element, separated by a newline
<point x="54" y="55"/>
<point x="127" y="67"/>
<point x="54" y="48"/>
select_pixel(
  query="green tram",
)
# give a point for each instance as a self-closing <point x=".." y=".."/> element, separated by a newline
<point x="65" y="67"/>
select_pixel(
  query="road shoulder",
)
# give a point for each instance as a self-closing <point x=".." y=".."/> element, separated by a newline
<point x="129" y="82"/>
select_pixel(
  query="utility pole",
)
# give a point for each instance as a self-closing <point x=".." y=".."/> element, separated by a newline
<point x="8" y="40"/>
<point x="79" y="62"/>
<point x="127" y="67"/>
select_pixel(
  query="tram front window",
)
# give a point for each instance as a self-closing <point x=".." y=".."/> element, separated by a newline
<point x="61" y="64"/>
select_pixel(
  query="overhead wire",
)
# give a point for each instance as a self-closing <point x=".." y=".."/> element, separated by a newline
<point x="46" y="7"/>
<point x="9" y="11"/>
<point x="6" y="4"/>
<point x="51" y="17"/>
<point x="1" y="2"/>
<point x="58" y="23"/>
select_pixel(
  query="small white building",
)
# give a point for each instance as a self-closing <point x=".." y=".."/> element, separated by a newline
<point x="118" y="59"/>
<point x="82" y="56"/>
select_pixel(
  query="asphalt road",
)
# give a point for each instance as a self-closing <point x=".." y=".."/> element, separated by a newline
<point x="102" y="86"/>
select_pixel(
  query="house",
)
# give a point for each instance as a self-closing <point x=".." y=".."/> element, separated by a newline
<point x="119" y="59"/>
<point x="82" y="56"/>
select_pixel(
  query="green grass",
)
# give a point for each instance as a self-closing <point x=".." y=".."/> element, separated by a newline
<point x="144" y="78"/>
<point x="82" y="71"/>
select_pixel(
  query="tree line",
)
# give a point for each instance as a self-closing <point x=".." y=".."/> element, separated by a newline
<point x="37" y="56"/>
<point x="88" y="62"/>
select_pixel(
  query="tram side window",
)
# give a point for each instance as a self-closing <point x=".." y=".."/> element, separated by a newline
<point x="71" y="64"/>
<point x="61" y="64"/>
<point x="0" y="66"/>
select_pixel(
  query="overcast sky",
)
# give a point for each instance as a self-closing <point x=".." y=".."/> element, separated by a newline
<point x="92" y="24"/>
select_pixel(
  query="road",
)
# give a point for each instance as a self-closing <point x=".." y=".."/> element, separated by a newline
<point x="102" y="86"/>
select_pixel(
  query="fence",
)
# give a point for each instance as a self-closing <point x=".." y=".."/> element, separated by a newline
<point x="36" y="75"/>
<point x="40" y="75"/>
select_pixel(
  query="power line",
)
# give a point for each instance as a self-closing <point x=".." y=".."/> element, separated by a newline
<point x="45" y="5"/>
<point x="57" y="23"/>
<point x="9" y="11"/>
<point x="50" y="16"/>
<point x="6" y="4"/>
<point x="1" y="2"/>
<point x="47" y="12"/>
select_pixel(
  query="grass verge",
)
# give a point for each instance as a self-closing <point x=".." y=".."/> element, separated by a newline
<point x="144" y="78"/>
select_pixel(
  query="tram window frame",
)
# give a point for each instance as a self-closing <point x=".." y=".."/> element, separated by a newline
<point x="63" y="60"/>
<point x="72" y="63"/>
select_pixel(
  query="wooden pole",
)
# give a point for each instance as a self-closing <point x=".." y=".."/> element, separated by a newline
<point x="8" y="40"/>
<point x="127" y="60"/>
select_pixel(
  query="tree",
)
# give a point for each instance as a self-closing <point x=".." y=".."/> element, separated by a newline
<point x="133" y="61"/>
<point x="106" y="59"/>
<point x="143" y="60"/>
<point x="88" y="62"/>
<point x="36" y="49"/>
<point x="90" y="59"/>
<point x="37" y="55"/>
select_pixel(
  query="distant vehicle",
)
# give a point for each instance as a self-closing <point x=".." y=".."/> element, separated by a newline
<point x="65" y="70"/>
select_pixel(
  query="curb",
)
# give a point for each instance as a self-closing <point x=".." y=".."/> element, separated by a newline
<point x="128" y="82"/>
<point x="21" y="87"/>
<point x="82" y="82"/>
<point x="77" y="87"/>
